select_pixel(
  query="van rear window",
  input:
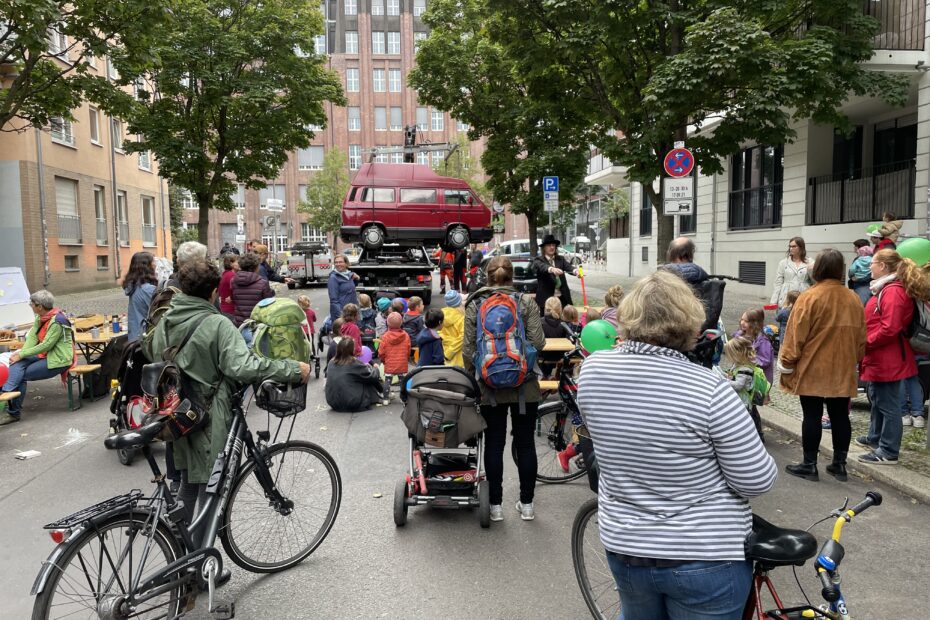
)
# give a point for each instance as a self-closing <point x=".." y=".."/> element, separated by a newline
<point x="352" y="194"/>
<point x="377" y="194"/>
<point x="408" y="195"/>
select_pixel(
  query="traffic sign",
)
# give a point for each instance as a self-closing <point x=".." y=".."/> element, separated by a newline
<point x="551" y="206"/>
<point x="678" y="196"/>
<point x="550" y="184"/>
<point x="679" y="163"/>
<point x="240" y="238"/>
<point x="551" y="196"/>
<point x="274" y="204"/>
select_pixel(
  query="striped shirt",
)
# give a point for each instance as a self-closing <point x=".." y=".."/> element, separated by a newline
<point x="678" y="455"/>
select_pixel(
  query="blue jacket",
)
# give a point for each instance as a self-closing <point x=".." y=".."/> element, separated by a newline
<point x="431" y="353"/>
<point x="140" y="298"/>
<point x="341" y="287"/>
<point x="859" y="271"/>
<point x="268" y="273"/>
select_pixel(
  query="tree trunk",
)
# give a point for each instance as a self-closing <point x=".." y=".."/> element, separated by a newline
<point x="533" y="231"/>
<point x="203" y="218"/>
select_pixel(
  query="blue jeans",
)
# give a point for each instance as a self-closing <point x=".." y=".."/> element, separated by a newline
<point x="912" y="397"/>
<point x="23" y="371"/>
<point x="692" y="591"/>
<point x="885" y="427"/>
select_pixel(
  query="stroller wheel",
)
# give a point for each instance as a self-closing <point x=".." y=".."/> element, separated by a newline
<point x="400" y="503"/>
<point x="126" y="456"/>
<point x="484" y="504"/>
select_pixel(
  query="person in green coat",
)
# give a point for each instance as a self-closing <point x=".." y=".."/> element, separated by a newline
<point x="48" y="351"/>
<point x="217" y="362"/>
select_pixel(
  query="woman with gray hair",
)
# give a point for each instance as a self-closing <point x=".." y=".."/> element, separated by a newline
<point x="678" y="458"/>
<point x="48" y="351"/>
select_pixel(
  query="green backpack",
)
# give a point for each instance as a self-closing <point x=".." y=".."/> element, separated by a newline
<point x="760" y="386"/>
<point x="278" y="330"/>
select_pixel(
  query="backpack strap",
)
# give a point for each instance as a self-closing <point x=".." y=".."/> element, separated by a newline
<point x="173" y="351"/>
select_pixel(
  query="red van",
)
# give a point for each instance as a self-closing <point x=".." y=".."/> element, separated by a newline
<point x="410" y="203"/>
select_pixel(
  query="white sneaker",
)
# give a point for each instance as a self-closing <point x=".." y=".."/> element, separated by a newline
<point x="386" y="402"/>
<point x="526" y="511"/>
<point x="497" y="512"/>
<point x="919" y="421"/>
<point x="907" y="420"/>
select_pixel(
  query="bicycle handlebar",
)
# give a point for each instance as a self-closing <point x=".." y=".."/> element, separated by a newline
<point x="829" y="592"/>
<point x="872" y="498"/>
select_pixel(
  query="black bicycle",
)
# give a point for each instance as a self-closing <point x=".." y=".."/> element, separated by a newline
<point x="135" y="556"/>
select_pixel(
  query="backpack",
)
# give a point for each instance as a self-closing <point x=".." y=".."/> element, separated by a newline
<point x="277" y="326"/>
<point x="161" y="301"/>
<point x="760" y="386"/>
<point x="503" y="357"/>
<point x="918" y="332"/>
<point x="366" y="323"/>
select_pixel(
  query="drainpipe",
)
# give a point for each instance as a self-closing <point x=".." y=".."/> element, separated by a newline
<point x="713" y="225"/>
<point x="46" y="277"/>
<point x="116" y="240"/>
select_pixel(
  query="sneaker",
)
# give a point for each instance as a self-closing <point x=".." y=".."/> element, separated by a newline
<point x="873" y="458"/>
<point x="920" y="421"/>
<point x="497" y="512"/>
<point x="907" y="420"/>
<point x="825" y="423"/>
<point x="864" y="442"/>
<point x="8" y="418"/>
<point x="386" y="402"/>
<point x="526" y="511"/>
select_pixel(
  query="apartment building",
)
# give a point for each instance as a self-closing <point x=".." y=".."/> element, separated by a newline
<point x="825" y="187"/>
<point x="371" y="44"/>
<point x="74" y="205"/>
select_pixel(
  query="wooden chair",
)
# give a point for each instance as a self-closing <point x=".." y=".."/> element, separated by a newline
<point x="7" y="396"/>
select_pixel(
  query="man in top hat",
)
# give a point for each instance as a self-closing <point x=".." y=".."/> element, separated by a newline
<point x="551" y="269"/>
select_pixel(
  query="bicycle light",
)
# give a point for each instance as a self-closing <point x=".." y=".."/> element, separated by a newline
<point x="58" y="536"/>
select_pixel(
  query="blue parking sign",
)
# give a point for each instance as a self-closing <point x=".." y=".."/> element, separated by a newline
<point x="550" y="184"/>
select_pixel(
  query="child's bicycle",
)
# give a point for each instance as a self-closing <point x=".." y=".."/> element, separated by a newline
<point x="768" y="547"/>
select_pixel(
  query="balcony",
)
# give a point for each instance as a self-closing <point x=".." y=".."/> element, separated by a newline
<point x="863" y="195"/>
<point x="901" y="23"/>
<point x="148" y="235"/>
<point x="69" y="229"/>
<point x="124" y="234"/>
<point x="102" y="236"/>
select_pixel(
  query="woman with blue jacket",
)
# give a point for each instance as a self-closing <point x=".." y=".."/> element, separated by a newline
<point x="341" y="287"/>
<point x="139" y="285"/>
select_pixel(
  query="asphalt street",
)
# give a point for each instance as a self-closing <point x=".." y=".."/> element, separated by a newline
<point x="441" y="564"/>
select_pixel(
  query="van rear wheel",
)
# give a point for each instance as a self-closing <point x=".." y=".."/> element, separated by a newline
<point x="373" y="237"/>
<point x="457" y="238"/>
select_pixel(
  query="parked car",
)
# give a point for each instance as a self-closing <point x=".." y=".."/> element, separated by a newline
<point x="353" y="253"/>
<point x="412" y="205"/>
<point x="522" y="246"/>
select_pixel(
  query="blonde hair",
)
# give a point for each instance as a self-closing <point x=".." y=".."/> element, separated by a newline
<point x="554" y="308"/>
<point x="349" y="312"/>
<point x="592" y="315"/>
<point x="756" y="319"/>
<point x="613" y="296"/>
<point x="260" y="248"/>
<point x="739" y="351"/>
<point x="364" y="300"/>
<point x="570" y="314"/>
<point x="414" y="302"/>
<point x="304" y="301"/>
<point x="500" y="271"/>
<point x="792" y="297"/>
<point x="661" y="310"/>
<point x="915" y="278"/>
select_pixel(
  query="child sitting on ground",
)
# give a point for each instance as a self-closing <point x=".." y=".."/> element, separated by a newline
<point x="429" y="341"/>
<point x="570" y="317"/>
<point x="366" y="319"/>
<point x="304" y="302"/>
<point x="384" y="308"/>
<point x="413" y="320"/>
<point x="742" y="356"/>
<point x="333" y="340"/>
<point x="350" y="327"/>
<point x="394" y="352"/>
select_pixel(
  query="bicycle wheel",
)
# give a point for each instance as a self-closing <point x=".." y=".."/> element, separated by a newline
<point x="262" y="540"/>
<point x="96" y="571"/>
<point x="590" y="561"/>
<point x="553" y="434"/>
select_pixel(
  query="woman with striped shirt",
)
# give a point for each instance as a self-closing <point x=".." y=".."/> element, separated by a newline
<point x="679" y="458"/>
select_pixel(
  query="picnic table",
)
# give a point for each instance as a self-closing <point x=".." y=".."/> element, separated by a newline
<point x="93" y="346"/>
<point x="12" y="345"/>
<point x="558" y="345"/>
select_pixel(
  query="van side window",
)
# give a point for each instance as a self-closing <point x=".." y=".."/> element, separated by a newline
<point x="352" y="194"/>
<point x="377" y="194"/>
<point x="456" y="196"/>
<point x="417" y="195"/>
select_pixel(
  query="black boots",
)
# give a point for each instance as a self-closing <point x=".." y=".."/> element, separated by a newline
<point x="807" y="469"/>
<point x="837" y="468"/>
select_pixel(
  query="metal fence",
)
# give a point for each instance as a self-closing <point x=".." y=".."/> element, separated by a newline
<point x="148" y="234"/>
<point x="102" y="235"/>
<point x="901" y="23"/>
<point x="863" y="195"/>
<point x="69" y="228"/>
<point x="757" y="207"/>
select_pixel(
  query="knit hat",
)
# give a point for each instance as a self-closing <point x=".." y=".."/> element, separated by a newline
<point x="864" y="251"/>
<point x="383" y="303"/>
<point x="395" y="320"/>
<point x="453" y="299"/>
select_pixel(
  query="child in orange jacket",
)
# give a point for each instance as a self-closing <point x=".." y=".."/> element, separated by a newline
<point x="394" y="352"/>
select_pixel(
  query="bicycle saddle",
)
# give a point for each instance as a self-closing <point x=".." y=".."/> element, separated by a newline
<point x="775" y="546"/>
<point x="125" y="440"/>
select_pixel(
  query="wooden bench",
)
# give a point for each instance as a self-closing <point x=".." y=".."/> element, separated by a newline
<point x="548" y="385"/>
<point x="76" y="379"/>
<point x="6" y="396"/>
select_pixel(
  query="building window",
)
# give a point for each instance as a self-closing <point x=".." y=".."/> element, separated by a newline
<point x="62" y="131"/>
<point x="100" y="214"/>
<point x="352" y="80"/>
<point x="355" y="157"/>
<point x="57" y="42"/>
<point x="69" y="218"/>
<point x="240" y="196"/>
<point x="377" y="42"/>
<point x="187" y="200"/>
<point x="394" y="80"/>
<point x="377" y="7"/>
<point x="419" y="7"/>
<point x="645" y="213"/>
<point x="310" y="158"/>
<point x="103" y="263"/>
<point x="148" y="221"/>
<point x="398" y="157"/>
<point x="319" y="44"/>
<point x="418" y="37"/>
<point x="112" y="73"/>
<point x="423" y="158"/>
<point x="422" y="119"/>
<point x="437" y="158"/>
<point x="393" y="7"/>
<point x="117" y="128"/>
<point x="687" y="224"/>
<point x="351" y="42"/>
<point x="309" y="233"/>
<point x="122" y="218"/>
<point x="437" y="120"/>
<point x="94" y="123"/>
<point x="380" y="156"/>
<point x="756" y="188"/>
<point x="355" y="119"/>
<point x="397" y="119"/>
<point x="72" y="263"/>
<point x="271" y="191"/>
<point x="145" y="159"/>
<point x="378" y="81"/>
<point x="380" y="119"/>
<point x="393" y="43"/>
<point x="351" y="7"/>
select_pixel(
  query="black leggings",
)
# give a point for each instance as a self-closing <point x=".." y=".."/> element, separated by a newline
<point x="495" y="439"/>
<point x="811" y="431"/>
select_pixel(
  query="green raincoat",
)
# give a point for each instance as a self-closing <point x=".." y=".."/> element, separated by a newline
<point x="217" y="361"/>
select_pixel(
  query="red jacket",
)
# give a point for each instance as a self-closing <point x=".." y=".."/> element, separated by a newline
<point x="350" y="330"/>
<point x="394" y="351"/>
<point x="888" y="354"/>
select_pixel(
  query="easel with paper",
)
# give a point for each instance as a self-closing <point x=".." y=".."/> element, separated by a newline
<point x="15" y="312"/>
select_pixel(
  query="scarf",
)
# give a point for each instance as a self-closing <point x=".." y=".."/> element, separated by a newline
<point x="344" y="274"/>
<point x="45" y="321"/>
<point x="877" y="285"/>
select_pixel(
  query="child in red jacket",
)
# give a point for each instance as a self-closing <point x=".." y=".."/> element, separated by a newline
<point x="394" y="352"/>
<point x="350" y="328"/>
<point x="304" y="302"/>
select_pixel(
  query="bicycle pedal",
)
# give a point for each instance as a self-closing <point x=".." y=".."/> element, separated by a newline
<point x="224" y="612"/>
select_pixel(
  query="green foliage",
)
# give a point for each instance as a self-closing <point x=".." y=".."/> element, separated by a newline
<point x="231" y="94"/>
<point x="615" y="204"/>
<point x="36" y="84"/>
<point x="461" y="165"/>
<point x="326" y="191"/>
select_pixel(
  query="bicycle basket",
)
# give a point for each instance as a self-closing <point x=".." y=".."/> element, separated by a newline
<point x="280" y="399"/>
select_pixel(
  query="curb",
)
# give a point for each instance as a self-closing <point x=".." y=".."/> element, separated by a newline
<point x="906" y="481"/>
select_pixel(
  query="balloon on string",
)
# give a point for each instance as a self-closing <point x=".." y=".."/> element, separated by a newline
<point x="598" y="335"/>
<point x="366" y="355"/>
<point x="915" y="248"/>
<point x="872" y="227"/>
<point x="4" y="373"/>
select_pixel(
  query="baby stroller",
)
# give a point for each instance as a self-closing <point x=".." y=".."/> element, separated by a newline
<point x="126" y="397"/>
<point x="441" y="414"/>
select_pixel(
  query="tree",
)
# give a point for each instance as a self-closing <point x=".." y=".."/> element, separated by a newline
<point x="229" y="94"/>
<point x="461" y="70"/>
<point x="179" y="234"/>
<point x="460" y="164"/>
<point x="734" y="71"/>
<point x="47" y="48"/>
<point x="616" y="204"/>
<point x="325" y="193"/>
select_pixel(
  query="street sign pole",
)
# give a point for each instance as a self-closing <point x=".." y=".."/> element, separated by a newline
<point x="550" y="197"/>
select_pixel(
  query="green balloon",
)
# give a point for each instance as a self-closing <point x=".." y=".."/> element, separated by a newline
<point x="916" y="248"/>
<point x="598" y="336"/>
<point x="872" y="227"/>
